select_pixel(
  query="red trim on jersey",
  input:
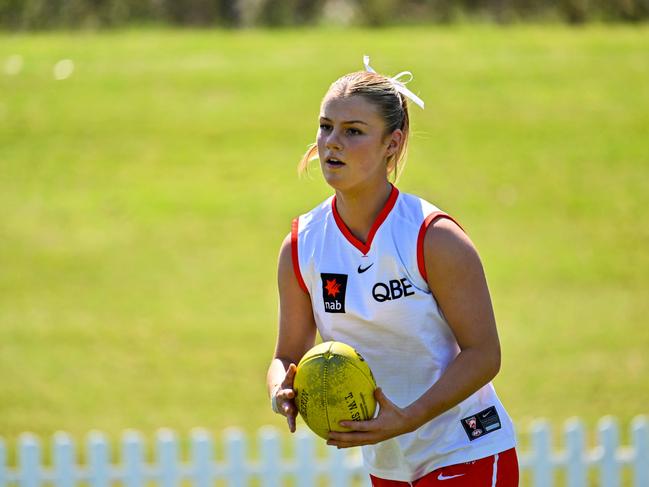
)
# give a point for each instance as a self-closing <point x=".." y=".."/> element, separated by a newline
<point x="422" y="234"/>
<point x="296" y="262"/>
<point x="365" y="247"/>
<point x="500" y="470"/>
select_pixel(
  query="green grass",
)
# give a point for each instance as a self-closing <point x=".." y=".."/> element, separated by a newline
<point x="143" y="201"/>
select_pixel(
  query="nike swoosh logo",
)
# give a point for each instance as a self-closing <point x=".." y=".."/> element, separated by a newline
<point x="361" y="270"/>
<point x="441" y="476"/>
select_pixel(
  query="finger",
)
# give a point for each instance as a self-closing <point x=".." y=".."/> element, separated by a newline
<point x="285" y="394"/>
<point x="344" y="445"/>
<point x="288" y="408"/>
<point x="290" y="375"/>
<point x="349" y="444"/>
<point x="292" y="368"/>
<point x="290" y="419"/>
<point x="382" y="399"/>
<point x="357" y="425"/>
<point x="340" y="437"/>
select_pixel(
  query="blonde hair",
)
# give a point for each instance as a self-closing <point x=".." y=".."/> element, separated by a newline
<point x="392" y="106"/>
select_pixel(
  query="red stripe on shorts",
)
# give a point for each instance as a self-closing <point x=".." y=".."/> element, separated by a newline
<point x="500" y="470"/>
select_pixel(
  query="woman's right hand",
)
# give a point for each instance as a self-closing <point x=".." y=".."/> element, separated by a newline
<point x="284" y="398"/>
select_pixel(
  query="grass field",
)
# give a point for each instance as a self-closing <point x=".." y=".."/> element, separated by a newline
<point x="143" y="200"/>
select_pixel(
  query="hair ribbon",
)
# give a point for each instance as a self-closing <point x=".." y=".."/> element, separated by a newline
<point x="399" y="82"/>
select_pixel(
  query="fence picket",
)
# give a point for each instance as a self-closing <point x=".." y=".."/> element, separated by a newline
<point x="339" y="467"/>
<point x="271" y="461"/>
<point x="98" y="460"/>
<point x="542" y="468"/>
<point x="337" y="471"/>
<point x="64" y="466"/>
<point x="29" y="459"/>
<point x="306" y="468"/>
<point x="202" y="452"/>
<point x="608" y="438"/>
<point x="132" y="456"/>
<point x="640" y="435"/>
<point x="576" y="467"/>
<point x="167" y="461"/>
<point x="235" y="450"/>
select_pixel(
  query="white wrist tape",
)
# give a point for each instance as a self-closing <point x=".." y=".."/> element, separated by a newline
<point x="273" y="400"/>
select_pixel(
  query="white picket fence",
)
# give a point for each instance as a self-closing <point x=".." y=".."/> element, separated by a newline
<point x="306" y="467"/>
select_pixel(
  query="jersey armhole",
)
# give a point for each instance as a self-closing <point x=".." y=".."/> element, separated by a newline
<point x="294" y="256"/>
<point x="421" y="264"/>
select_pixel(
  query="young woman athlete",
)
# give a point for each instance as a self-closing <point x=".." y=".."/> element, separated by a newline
<point x="399" y="280"/>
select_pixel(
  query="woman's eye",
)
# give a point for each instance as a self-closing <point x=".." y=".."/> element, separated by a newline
<point x="324" y="126"/>
<point x="352" y="131"/>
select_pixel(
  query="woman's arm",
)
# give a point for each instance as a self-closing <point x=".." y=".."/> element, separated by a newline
<point x="295" y="337"/>
<point x="457" y="280"/>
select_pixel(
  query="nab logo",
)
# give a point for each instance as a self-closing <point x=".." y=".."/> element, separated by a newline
<point x="334" y="287"/>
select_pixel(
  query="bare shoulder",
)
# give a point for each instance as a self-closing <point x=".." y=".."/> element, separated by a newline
<point x="285" y="259"/>
<point x="285" y="267"/>
<point x="446" y="244"/>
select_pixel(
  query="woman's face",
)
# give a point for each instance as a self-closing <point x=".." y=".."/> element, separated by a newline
<point x="352" y="144"/>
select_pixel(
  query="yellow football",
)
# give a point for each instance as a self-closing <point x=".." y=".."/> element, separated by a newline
<point x="333" y="383"/>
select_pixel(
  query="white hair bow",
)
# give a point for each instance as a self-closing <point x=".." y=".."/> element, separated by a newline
<point x="398" y="83"/>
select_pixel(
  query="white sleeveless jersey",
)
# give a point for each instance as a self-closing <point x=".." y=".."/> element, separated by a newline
<point x="374" y="296"/>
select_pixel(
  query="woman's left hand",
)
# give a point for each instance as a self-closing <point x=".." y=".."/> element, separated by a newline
<point x="390" y="422"/>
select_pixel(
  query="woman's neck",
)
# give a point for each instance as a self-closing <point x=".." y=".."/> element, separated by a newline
<point x="360" y="208"/>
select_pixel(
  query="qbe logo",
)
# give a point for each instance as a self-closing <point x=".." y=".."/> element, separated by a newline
<point x="334" y="287"/>
<point x="394" y="289"/>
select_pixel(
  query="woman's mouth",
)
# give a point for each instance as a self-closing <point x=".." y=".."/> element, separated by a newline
<point x="333" y="162"/>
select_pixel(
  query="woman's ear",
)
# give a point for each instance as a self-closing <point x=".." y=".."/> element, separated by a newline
<point x="394" y="142"/>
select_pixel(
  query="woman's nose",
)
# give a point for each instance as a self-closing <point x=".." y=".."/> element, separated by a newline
<point x="333" y="141"/>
